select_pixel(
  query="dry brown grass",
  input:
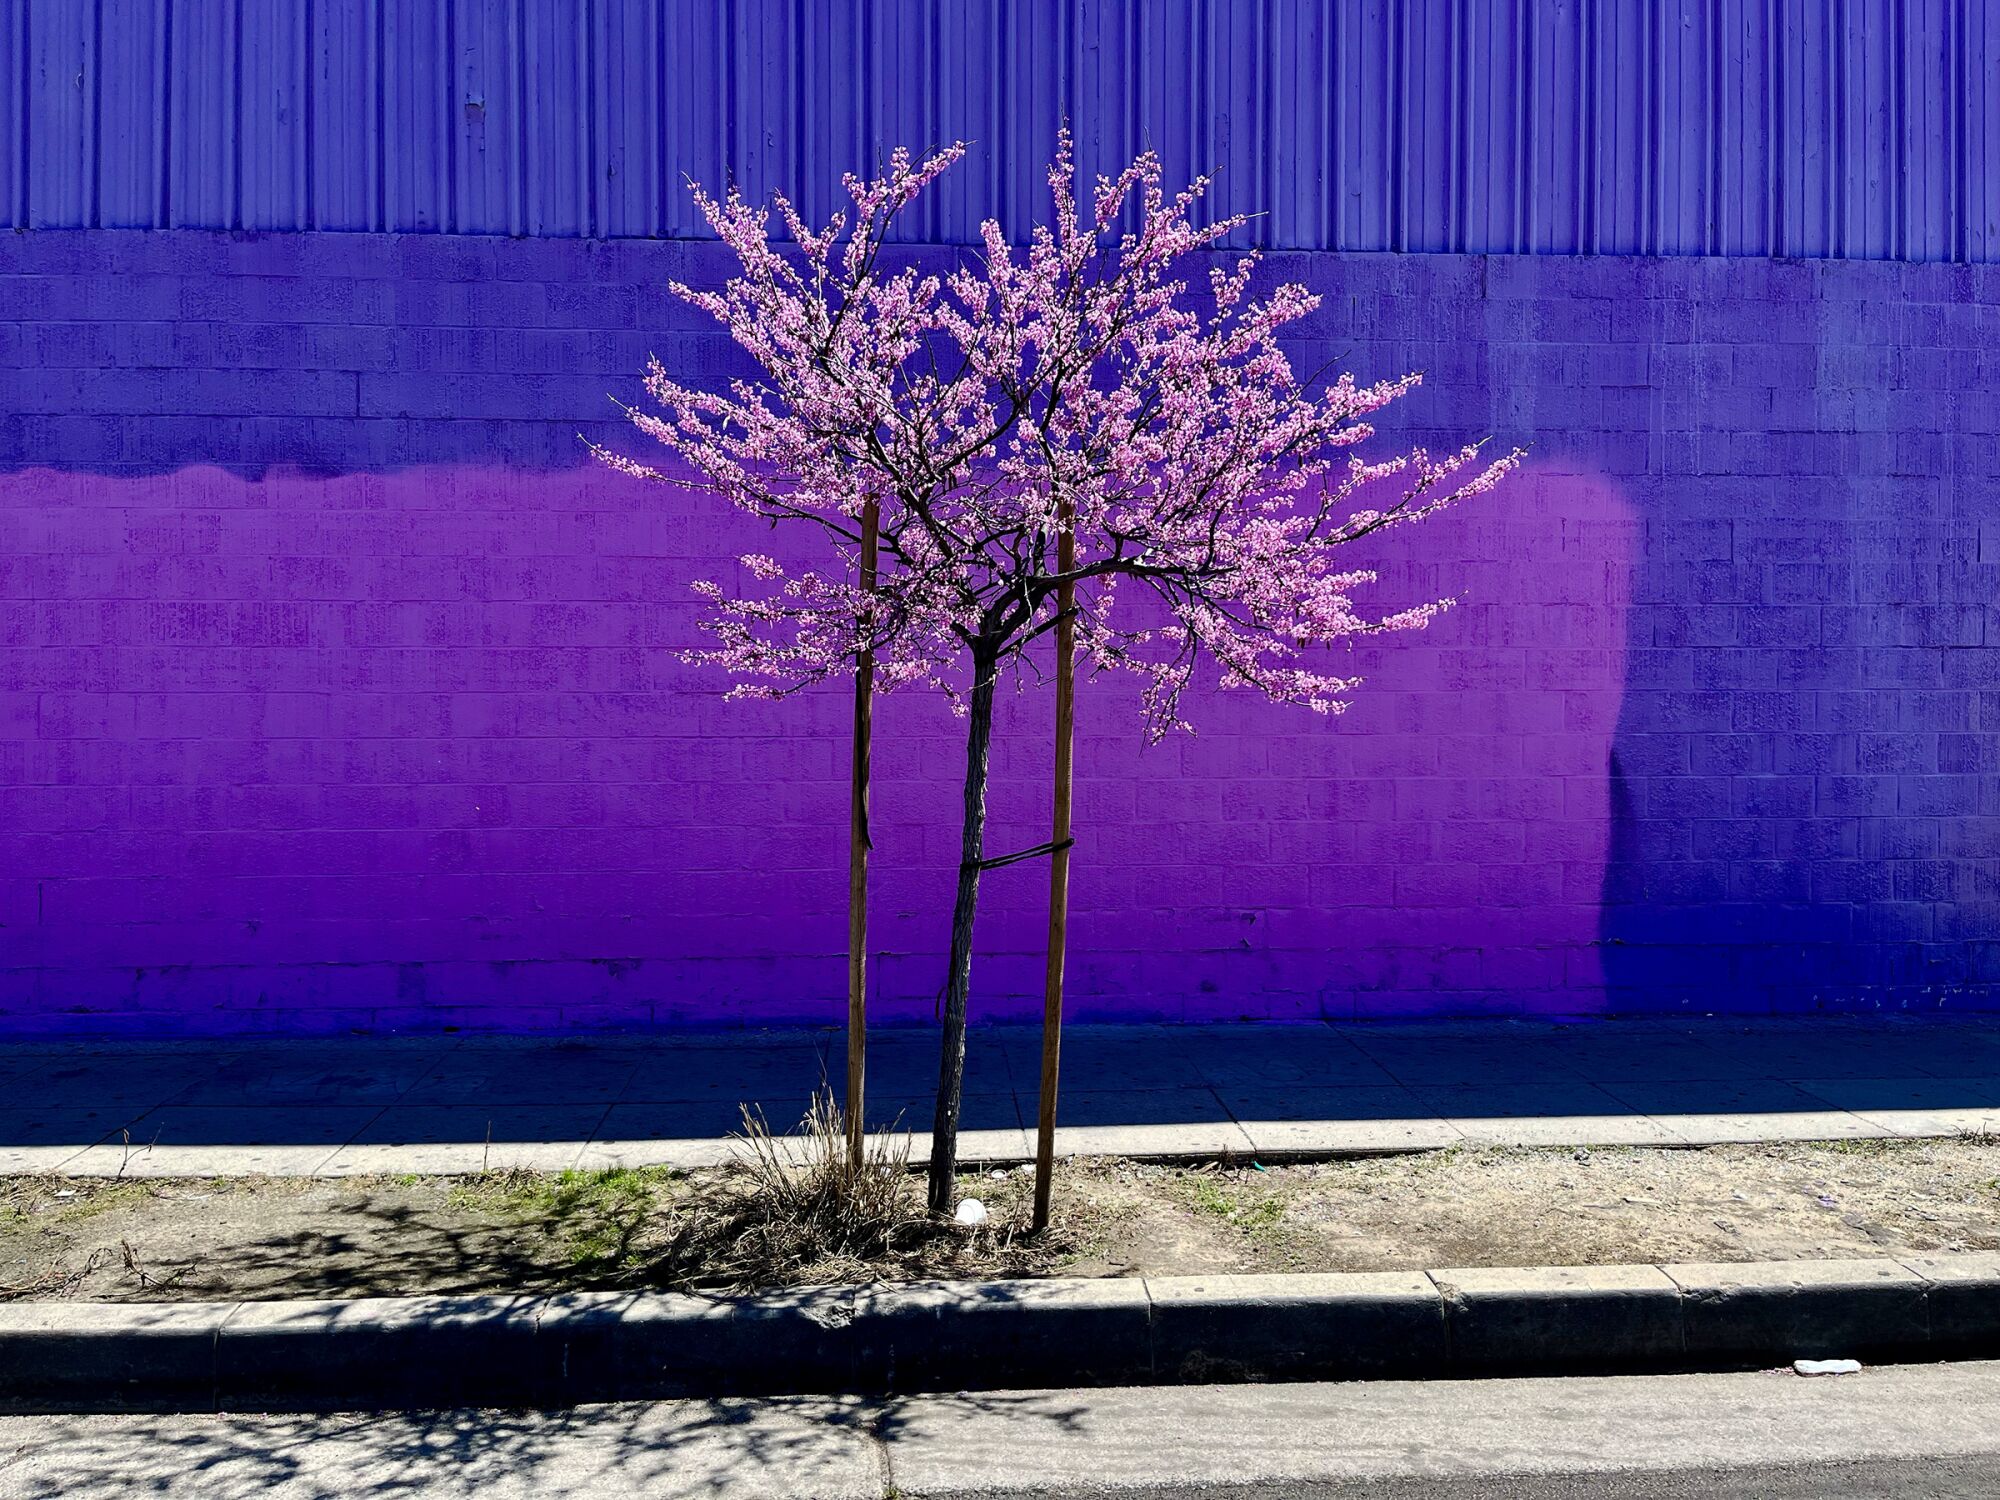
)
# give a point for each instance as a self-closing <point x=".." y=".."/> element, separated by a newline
<point x="792" y="1210"/>
<point x="793" y="1203"/>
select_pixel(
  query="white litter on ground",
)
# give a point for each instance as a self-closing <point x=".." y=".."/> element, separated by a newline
<point x="971" y="1213"/>
<point x="1827" y="1366"/>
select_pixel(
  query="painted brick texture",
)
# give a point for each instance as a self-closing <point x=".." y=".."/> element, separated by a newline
<point x="337" y="691"/>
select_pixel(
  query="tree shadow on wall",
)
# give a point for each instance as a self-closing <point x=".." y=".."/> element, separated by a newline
<point x="1790" y="822"/>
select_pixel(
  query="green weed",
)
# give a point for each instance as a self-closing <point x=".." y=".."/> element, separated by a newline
<point x="1205" y="1194"/>
<point x="595" y="1217"/>
<point x="1862" y="1146"/>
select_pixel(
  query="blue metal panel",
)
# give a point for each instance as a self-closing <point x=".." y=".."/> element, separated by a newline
<point x="1369" y="91"/>
<point x="1982" y="115"/>
<point x="761" y="105"/>
<point x="131" y="127"/>
<point x="628" y="41"/>
<point x="13" y="110"/>
<point x="61" y="80"/>
<point x="272" y="116"/>
<point x="1040" y="69"/>
<point x="1866" y="128"/>
<point x="1926" y="136"/>
<point x="692" y="80"/>
<point x="416" y="111"/>
<point x="344" y="82"/>
<point x="204" y="161"/>
<point x="563" y="181"/>
<point x="490" y="53"/>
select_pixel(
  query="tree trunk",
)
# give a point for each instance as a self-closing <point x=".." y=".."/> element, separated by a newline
<point x="958" y="979"/>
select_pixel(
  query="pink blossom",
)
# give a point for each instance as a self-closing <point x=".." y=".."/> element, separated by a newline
<point x="1073" y="381"/>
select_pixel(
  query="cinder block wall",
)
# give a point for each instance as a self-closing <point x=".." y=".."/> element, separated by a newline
<point x="338" y="691"/>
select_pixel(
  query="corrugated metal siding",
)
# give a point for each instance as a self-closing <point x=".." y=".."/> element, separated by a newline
<point x="1860" y="128"/>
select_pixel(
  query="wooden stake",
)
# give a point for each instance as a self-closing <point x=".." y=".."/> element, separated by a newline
<point x="1052" y="985"/>
<point x="859" y="843"/>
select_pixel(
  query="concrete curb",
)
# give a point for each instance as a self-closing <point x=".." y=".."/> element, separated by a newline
<point x="411" y="1352"/>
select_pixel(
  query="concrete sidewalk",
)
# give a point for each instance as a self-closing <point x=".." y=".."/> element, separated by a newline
<point x="461" y="1104"/>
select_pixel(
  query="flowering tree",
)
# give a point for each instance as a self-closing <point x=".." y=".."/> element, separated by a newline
<point x="1057" y="420"/>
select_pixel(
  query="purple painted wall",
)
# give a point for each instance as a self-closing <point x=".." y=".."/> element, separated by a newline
<point x="336" y="692"/>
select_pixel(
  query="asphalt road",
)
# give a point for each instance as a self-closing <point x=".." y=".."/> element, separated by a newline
<point x="1898" y="1433"/>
